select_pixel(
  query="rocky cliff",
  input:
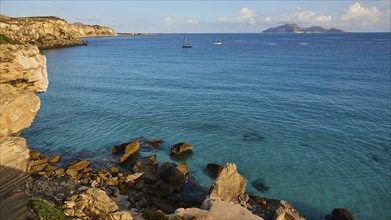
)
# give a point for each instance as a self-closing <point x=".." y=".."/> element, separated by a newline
<point x="50" y="32"/>
<point x="23" y="73"/>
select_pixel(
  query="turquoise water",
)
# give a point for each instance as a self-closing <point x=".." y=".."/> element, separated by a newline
<point x="321" y="102"/>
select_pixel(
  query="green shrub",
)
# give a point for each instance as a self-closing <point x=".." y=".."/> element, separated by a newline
<point x="44" y="210"/>
<point x="154" y="215"/>
<point x="6" y="40"/>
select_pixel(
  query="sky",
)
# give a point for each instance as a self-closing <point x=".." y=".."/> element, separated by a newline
<point x="233" y="16"/>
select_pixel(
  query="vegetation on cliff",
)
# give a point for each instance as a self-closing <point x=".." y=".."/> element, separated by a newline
<point x="6" y="40"/>
<point x="44" y="210"/>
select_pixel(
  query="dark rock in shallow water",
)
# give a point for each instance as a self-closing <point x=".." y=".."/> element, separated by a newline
<point x="341" y="214"/>
<point x="214" y="169"/>
<point x="253" y="137"/>
<point x="171" y="175"/>
<point x="376" y="158"/>
<point x="260" y="185"/>
<point x="180" y="148"/>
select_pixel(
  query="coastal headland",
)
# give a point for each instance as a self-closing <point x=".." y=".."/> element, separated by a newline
<point x="135" y="187"/>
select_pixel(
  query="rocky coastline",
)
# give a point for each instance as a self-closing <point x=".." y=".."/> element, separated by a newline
<point x="36" y="186"/>
<point x="52" y="32"/>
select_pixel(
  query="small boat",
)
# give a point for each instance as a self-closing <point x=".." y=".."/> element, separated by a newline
<point x="185" y="44"/>
<point x="217" y="41"/>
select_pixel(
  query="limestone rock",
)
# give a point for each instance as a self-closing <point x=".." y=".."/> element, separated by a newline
<point x="54" y="159"/>
<point x="180" y="148"/>
<point x="130" y="150"/>
<point x="23" y="66"/>
<point x="218" y="210"/>
<point x="95" y="204"/>
<point x="121" y="215"/>
<point x="184" y="168"/>
<point x="50" y="32"/>
<point x="23" y="72"/>
<point x="79" y="165"/>
<point x="285" y="211"/>
<point x="229" y="185"/>
<point x="34" y="155"/>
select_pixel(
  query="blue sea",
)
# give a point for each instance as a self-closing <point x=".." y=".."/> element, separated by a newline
<point x="310" y="114"/>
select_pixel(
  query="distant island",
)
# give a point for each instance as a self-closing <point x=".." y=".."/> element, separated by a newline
<point x="294" y="28"/>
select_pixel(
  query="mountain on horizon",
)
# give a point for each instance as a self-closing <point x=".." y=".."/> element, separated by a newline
<point x="294" y="28"/>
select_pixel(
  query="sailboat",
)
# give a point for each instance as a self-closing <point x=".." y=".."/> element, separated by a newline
<point x="217" y="41"/>
<point x="185" y="44"/>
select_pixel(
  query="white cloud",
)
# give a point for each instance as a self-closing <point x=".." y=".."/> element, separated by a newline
<point x="246" y="15"/>
<point x="191" y="21"/>
<point x="360" y="15"/>
<point x="311" y="17"/>
<point x="169" y="21"/>
<point x="268" y="19"/>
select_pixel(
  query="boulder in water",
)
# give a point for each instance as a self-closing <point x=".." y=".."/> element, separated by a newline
<point x="342" y="214"/>
<point x="130" y="149"/>
<point x="180" y="148"/>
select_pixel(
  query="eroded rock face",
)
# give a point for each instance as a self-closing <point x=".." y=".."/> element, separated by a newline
<point x="229" y="185"/>
<point x="50" y="32"/>
<point x="23" y="72"/>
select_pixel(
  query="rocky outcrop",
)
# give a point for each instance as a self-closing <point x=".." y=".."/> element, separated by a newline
<point x="217" y="210"/>
<point x="23" y="72"/>
<point x="50" y="32"/>
<point x="180" y="148"/>
<point x="229" y="185"/>
<point x="94" y="204"/>
<point x="130" y="150"/>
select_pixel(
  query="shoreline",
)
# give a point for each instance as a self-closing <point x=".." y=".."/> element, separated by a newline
<point x="144" y="186"/>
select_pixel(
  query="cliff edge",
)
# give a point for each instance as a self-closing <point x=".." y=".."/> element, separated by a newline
<point x="50" y="32"/>
<point x="23" y="73"/>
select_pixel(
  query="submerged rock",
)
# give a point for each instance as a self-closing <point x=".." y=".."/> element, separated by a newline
<point x="180" y="148"/>
<point x="253" y="137"/>
<point x="214" y="169"/>
<point x="342" y="214"/>
<point x="260" y="185"/>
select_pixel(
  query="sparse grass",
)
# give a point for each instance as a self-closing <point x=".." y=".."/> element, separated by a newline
<point x="154" y="215"/>
<point x="44" y="210"/>
<point x="6" y="40"/>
